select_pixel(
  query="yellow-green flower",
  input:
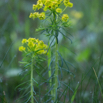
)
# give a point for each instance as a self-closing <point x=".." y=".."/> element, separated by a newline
<point x="30" y="44"/>
<point x="41" y="48"/>
<point x="39" y="1"/>
<point x="41" y="42"/>
<point x="59" y="1"/>
<point x="42" y="16"/>
<point x="65" y="17"/>
<point x="54" y="4"/>
<point x="47" y="3"/>
<point x="34" y="7"/>
<point x="70" y="4"/>
<point x="33" y="45"/>
<point x="58" y="10"/>
<point x="21" y="48"/>
<point x="42" y="51"/>
<point x="35" y="15"/>
<point x="45" y="8"/>
<point x="32" y="39"/>
<point x="39" y="4"/>
<point x="31" y="15"/>
<point x="66" y="2"/>
<point x="24" y="41"/>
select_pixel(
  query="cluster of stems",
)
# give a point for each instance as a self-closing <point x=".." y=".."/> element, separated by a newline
<point x="58" y="20"/>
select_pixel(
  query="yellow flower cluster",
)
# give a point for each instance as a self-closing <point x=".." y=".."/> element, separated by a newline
<point x="41" y="16"/>
<point x="52" y="5"/>
<point x="33" y="45"/>
<point x="65" y="17"/>
<point x="59" y="10"/>
<point x="67" y="3"/>
<point x="21" y="48"/>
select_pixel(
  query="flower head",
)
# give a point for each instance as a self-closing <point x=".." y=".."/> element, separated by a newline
<point x="21" y="48"/>
<point x="39" y="4"/>
<point x="33" y="45"/>
<point x="66" y="2"/>
<point x="65" y="17"/>
<point x="34" y="7"/>
<point x="42" y="16"/>
<point x="48" y="3"/>
<point x="59" y="10"/>
<point x="54" y="6"/>
<point x="70" y="4"/>
<point x="31" y="15"/>
<point x="24" y="41"/>
<point x="35" y="15"/>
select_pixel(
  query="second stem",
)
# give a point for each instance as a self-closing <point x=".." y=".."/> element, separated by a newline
<point x="32" y="100"/>
<point x="56" y="72"/>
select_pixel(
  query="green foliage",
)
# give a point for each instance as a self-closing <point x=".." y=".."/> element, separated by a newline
<point x="87" y="35"/>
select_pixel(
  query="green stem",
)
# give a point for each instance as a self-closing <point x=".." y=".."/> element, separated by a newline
<point x="56" y="61"/>
<point x="56" y="71"/>
<point x="64" y="9"/>
<point x="49" y="60"/>
<point x="32" y="100"/>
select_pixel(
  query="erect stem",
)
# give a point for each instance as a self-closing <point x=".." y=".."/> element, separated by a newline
<point x="56" y="71"/>
<point x="32" y="100"/>
<point x="49" y="66"/>
<point x="56" y="60"/>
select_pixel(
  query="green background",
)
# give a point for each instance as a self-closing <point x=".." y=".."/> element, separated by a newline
<point x="84" y="53"/>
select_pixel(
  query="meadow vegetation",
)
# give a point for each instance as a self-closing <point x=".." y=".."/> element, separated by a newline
<point x="81" y="52"/>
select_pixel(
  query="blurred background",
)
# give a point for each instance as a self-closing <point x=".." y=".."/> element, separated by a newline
<point x="84" y="53"/>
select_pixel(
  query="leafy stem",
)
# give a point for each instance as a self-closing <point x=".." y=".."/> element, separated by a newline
<point x="56" y="60"/>
<point x="56" y="71"/>
<point x="49" y="66"/>
<point x="32" y="100"/>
